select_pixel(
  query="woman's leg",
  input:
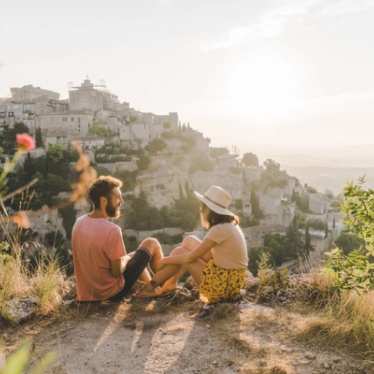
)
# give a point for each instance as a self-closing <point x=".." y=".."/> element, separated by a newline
<point x="169" y="274"/>
<point x="153" y="247"/>
<point x="195" y="269"/>
<point x="171" y="283"/>
<point x="188" y="244"/>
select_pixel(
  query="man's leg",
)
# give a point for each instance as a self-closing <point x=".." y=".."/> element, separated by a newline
<point x="148" y="252"/>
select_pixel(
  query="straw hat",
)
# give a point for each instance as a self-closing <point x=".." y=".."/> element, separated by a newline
<point x="216" y="199"/>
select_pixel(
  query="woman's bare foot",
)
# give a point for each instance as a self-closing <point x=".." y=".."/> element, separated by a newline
<point x="149" y="291"/>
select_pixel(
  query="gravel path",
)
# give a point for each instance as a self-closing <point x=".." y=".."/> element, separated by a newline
<point x="146" y="338"/>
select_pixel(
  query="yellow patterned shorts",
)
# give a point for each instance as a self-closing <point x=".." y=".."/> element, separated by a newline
<point x="219" y="284"/>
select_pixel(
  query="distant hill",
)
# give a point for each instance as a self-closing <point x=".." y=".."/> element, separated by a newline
<point x="331" y="178"/>
<point x="324" y="167"/>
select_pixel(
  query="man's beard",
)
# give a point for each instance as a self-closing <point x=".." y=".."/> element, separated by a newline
<point x="113" y="211"/>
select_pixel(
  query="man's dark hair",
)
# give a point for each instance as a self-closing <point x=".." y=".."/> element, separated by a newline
<point x="102" y="187"/>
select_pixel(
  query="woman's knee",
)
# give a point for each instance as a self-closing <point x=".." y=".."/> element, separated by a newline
<point x="180" y="250"/>
<point x="191" y="242"/>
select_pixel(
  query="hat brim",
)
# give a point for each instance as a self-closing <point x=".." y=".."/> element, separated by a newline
<point x="212" y="206"/>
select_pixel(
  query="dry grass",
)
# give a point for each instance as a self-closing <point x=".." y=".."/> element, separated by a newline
<point x="13" y="280"/>
<point x="47" y="286"/>
<point x="46" y="283"/>
<point x="343" y="319"/>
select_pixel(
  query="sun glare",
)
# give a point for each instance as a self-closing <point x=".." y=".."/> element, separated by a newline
<point x="265" y="85"/>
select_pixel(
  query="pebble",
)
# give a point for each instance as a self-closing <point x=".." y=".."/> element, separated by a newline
<point x="304" y="362"/>
<point x="326" y="365"/>
<point x="286" y="349"/>
<point x="310" y="356"/>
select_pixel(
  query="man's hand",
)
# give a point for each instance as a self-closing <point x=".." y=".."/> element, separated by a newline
<point x="119" y="266"/>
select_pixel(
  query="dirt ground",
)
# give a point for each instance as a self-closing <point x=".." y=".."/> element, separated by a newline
<point x="154" y="337"/>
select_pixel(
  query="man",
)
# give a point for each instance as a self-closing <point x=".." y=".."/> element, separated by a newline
<point x="102" y="267"/>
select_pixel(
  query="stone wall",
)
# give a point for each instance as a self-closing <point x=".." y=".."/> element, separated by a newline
<point x="46" y="220"/>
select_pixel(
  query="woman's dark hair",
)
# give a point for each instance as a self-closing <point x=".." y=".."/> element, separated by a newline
<point x="214" y="218"/>
<point x="102" y="187"/>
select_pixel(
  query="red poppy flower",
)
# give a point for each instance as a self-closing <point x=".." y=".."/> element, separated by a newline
<point x="25" y="142"/>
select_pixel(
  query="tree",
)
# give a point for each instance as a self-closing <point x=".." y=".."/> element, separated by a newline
<point x="348" y="241"/>
<point x="39" y="138"/>
<point x="301" y="200"/>
<point x="99" y="129"/>
<point x="250" y="159"/>
<point x="143" y="162"/>
<point x="255" y="205"/>
<point x="355" y="270"/>
<point x="8" y="139"/>
<point x="155" y="146"/>
<point x="296" y="245"/>
<point x="218" y="151"/>
<point x="272" y="176"/>
<point x="308" y="242"/>
<point x="272" y="166"/>
<point x="68" y="214"/>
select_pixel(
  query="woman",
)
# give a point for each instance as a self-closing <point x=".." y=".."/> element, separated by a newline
<point x="218" y="263"/>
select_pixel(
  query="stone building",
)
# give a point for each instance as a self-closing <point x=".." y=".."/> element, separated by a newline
<point x="74" y="124"/>
<point x="87" y="97"/>
<point x="30" y="93"/>
<point x="13" y="110"/>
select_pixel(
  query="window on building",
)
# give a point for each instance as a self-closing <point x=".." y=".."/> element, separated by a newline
<point x="64" y="119"/>
<point x="72" y="119"/>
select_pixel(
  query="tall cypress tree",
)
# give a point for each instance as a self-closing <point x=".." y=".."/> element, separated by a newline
<point x="39" y="138"/>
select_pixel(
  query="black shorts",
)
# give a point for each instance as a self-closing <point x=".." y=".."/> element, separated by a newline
<point x="134" y="268"/>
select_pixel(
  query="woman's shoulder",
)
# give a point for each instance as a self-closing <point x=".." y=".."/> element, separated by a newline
<point x="223" y="228"/>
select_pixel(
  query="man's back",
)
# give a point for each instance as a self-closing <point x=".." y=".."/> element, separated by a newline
<point x="96" y="242"/>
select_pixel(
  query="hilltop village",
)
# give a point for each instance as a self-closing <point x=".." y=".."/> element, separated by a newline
<point x="161" y="160"/>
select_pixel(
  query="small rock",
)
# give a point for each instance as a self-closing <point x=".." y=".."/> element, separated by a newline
<point x="304" y="362"/>
<point x="286" y="349"/>
<point x="326" y="365"/>
<point x="18" y="310"/>
<point x="262" y="363"/>
<point x="310" y="356"/>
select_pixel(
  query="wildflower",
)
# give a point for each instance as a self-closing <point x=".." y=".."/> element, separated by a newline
<point x="25" y="142"/>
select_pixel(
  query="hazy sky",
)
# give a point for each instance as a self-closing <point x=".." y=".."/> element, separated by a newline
<point x="245" y="72"/>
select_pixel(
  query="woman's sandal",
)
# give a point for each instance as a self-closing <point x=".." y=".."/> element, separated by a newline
<point x="205" y="311"/>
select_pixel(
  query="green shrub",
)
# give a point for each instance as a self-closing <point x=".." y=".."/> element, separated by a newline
<point x="347" y="242"/>
<point x="355" y="270"/>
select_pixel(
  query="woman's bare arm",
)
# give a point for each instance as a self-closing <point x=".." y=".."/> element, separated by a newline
<point x="200" y="251"/>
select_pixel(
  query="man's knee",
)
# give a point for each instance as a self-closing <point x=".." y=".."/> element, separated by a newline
<point x="151" y="245"/>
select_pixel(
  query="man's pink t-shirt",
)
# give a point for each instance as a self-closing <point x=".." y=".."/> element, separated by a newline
<point x="96" y="242"/>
